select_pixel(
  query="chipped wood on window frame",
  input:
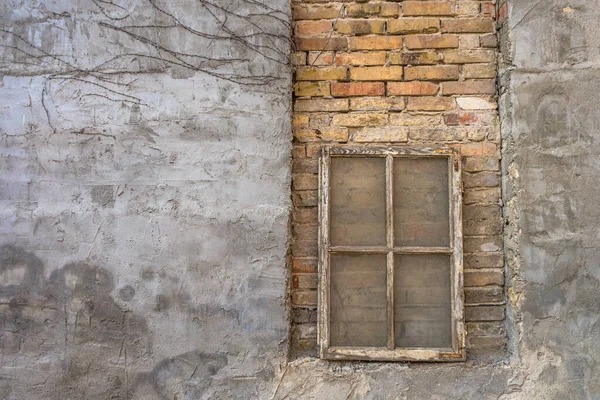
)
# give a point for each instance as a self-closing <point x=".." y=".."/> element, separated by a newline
<point x="390" y="353"/>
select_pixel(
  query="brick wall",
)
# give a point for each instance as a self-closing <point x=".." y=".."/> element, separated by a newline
<point x="405" y="72"/>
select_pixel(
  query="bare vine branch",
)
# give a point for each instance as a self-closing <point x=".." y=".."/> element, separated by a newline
<point x="228" y="52"/>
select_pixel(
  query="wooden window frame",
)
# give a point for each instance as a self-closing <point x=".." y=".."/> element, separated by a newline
<point x="390" y="353"/>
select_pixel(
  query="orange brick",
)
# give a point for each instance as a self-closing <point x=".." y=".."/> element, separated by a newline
<point x="478" y="71"/>
<point x="360" y="119"/>
<point x="376" y="73"/>
<point x="415" y="8"/>
<point x="321" y="43"/>
<point x="315" y="11"/>
<point x="377" y="104"/>
<point x="430" y="104"/>
<point x="320" y="74"/>
<point x="320" y="57"/>
<point x="487" y="86"/>
<point x="313" y="28"/>
<point x="431" y="41"/>
<point x="312" y="89"/>
<point x="469" y="56"/>
<point x="322" y="105"/>
<point x="359" y="26"/>
<point x="358" y="89"/>
<point x="412" y="88"/>
<point x="413" y="25"/>
<point x="304" y="265"/>
<point x="375" y="43"/>
<point x="361" y="58"/>
<point x="415" y="58"/>
<point x="478" y="149"/>
<point x="468" y="25"/>
<point x="463" y="118"/>
<point x="434" y="73"/>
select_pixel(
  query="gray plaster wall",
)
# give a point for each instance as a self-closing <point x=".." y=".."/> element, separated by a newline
<point x="551" y="134"/>
<point x="144" y="199"/>
<point x="144" y="238"/>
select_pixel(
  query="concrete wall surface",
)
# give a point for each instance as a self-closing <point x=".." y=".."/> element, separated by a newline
<point x="145" y="194"/>
<point x="145" y="156"/>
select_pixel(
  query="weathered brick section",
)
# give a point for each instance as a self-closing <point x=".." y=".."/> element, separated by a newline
<point x="400" y="72"/>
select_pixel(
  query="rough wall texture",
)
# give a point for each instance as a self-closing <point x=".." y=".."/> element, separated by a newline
<point x="551" y="127"/>
<point x="145" y="202"/>
<point x="144" y="241"/>
<point x="413" y="73"/>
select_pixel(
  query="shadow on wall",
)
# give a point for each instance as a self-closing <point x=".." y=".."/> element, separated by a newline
<point x="86" y="344"/>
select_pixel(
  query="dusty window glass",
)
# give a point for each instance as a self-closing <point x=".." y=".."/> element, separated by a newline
<point x="390" y="247"/>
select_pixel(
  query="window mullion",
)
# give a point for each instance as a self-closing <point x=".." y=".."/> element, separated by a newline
<point x="389" y="168"/>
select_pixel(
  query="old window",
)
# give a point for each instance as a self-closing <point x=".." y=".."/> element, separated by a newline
<point x="390" y="254"/>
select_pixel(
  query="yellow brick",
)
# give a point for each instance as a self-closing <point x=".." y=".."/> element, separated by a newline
<point x="417" y="8"/>
<point x="320" y="105"/>
<point x="363" y="10"/>
<point x="415" y="58"/>
<point x="376" y="73"/>
<point x="360" y="119"/>
<point x="359" y="26"/>
<point x="332" y="134"/>
<point x="430" y="104"/>
<point x="468" y="56"/>
<point x="433" y="72"/>
<point x="431" y="41"/>
<point x="413" y="25"/>
<point x="477" y="71"/>
<point x="320" y="57"/>
<point x="424" y="120"/>
<point x="375" y="43"/>
<point x="300" y="120"/>
<point x="380" y="134"/>
<point x="320" y="74"/>
<point x="360" y="58"/>
<point x="315" y="11"/>
<point x="312" y="89"/>
<point x="468" y="25"/>
<point x="377" y="104"/>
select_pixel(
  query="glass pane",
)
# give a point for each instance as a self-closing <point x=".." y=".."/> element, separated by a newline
<point x="357" y="198"/>
<point x="358" y="300"/>
<point x="421" y="202"/>
<point x="422" y="304"/>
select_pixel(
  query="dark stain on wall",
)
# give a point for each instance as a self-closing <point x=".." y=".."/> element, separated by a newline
<point x="71" y="315"/>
